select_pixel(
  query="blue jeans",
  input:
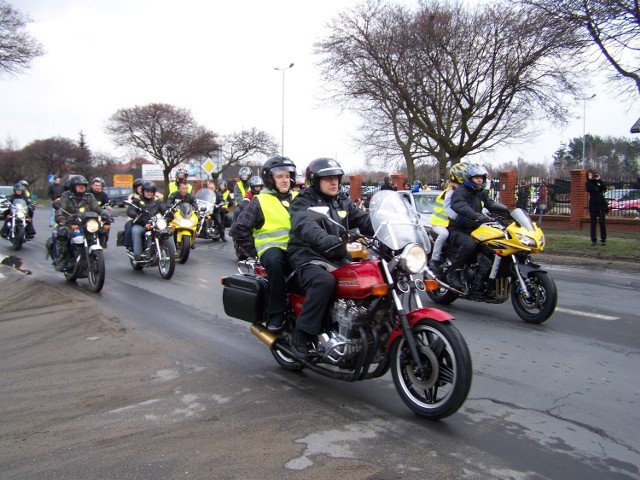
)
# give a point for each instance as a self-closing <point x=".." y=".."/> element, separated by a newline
<point x="52" y="219"/>
<point x="137" y="232"/>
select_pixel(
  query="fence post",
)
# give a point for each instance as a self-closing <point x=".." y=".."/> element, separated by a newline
<point x="579" y="198"/>
<point x="355" y="186"/>
<point x="507" y="187"/>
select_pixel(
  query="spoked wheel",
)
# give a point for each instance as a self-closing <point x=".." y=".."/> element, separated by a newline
<point x="167" y="258"/>
<point x="540" y="304"/>
<point x="18" y="237"/>
<point x="442" y="387"/>
<point x="96" y="271"/>
<point x="284" y="360"/>
<point x="184" y="249"/>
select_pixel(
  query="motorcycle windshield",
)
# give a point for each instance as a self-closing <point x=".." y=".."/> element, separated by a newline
<point x="522" y="218"/>
<point x="206" y="195"/>
<point x="19" y="204"/>
<point x="395" y="221"/>
<point x="185" y="209"/>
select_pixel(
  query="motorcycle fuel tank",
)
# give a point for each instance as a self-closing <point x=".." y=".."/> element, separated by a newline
<point x="356" y="279"/>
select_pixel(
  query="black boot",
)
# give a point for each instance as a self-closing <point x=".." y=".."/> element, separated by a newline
<point x="275" y="323"/>
<point x="300" y="344"/>
<point x="435" y="266"/>
<point x="454" y="278"/>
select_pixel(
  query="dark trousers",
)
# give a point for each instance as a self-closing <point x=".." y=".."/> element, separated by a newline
<point x="595" y="217"/>
<point x="128" y="240"/>
<point x="465" y="245"/>
<point x="274" y="260"/>
<point x="318" y="286"/>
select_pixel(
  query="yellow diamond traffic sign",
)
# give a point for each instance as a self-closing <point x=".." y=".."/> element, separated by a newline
<point x="208" y="166"/>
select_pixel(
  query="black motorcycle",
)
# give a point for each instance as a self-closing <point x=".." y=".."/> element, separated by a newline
<point x="17" y="223"/>
<point x="207" y="212"/>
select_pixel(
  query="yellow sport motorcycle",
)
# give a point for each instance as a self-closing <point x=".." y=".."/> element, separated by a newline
<point x="184" y="225"/>
<point x="503" y="268"/>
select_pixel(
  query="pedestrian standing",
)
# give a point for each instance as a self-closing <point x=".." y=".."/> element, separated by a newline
<point x="598" y="206"/>
<point x="542" y="200"/>
<point x="54" y="192"/>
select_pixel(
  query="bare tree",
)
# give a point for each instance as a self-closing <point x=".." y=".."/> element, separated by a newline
<point x="53" y="155"/>
<point x="447" y="81"/>
<point x="612" y="25"/>
<point x="167" y="133"/>
<point x="17" y="47"/>
<point x="245" y="146"/>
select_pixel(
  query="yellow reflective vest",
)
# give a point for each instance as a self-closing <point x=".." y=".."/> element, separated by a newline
<point x="173" y="187"/>
<point x="277" y="223"/>
<point x="438" y="217"/>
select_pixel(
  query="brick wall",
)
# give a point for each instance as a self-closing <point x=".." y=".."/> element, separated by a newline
<point x="508" y="185"/>
<point x="355" y="182"/>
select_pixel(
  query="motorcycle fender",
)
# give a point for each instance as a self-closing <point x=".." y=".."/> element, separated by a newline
<point x="94" y="247"/>
<point x="183" y="233"/>
<point x="415" y="316"/>
<point x="525" y="270"/>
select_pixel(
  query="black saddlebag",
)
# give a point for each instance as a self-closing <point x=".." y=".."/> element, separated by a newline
<point x="245" y="297"/>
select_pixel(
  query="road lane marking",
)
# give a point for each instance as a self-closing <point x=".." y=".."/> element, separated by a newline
<point x="586" y="314"/>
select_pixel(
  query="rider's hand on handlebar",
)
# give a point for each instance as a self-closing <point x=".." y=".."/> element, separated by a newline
<point x="480" y="219"/>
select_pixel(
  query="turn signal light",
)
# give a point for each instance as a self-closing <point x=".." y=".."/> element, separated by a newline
<point x="431" y="285"/>
<point x="380" y="290"/>
<point x="147" y="227"/>
<point x="106" y="227"/>
<point x="74" y="227"/>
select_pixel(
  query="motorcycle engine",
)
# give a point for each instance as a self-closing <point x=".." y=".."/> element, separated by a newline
<point x="477" y="273"/>
<point x="339" y="346"/>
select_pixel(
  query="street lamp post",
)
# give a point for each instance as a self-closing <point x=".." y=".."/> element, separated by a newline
<point x="584" y="130"/>
<point x="282" y="138"/>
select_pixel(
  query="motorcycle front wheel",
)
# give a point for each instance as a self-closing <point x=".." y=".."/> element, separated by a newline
<point x="96" y="271"/>
<point x="166" y="258"/>
<point x="441" y="388"/>
<point x="184" y="249"/>
<point x="541" y="302"/>
<point x="18" y="237"/>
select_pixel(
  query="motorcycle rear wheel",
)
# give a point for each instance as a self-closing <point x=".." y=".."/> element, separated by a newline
<point x="284" y="360"/>
<point x="18" y="237"/>
<point x="443" y="387"/>
<point x="96" y="271"/>
<point x="442" y="296"/>
<point x="166" y="258"/>
<point x="541" y="304"/>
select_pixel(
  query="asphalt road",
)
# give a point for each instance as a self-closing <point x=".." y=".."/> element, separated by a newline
<point x="149" y="379"/>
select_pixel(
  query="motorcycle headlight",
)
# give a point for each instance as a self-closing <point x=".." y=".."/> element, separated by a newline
<point x="413" y="258"/>
<point x="541" y="240"/>
<point x="161" y="224"/>
<point x="92" y="226"/>
<point x="185" y="222"/>
<point x="20" y="215"/>
<point x="526" y="241"/>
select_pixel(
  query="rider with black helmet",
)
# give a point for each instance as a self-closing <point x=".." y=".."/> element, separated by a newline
<point x="316" y="247"/>
<point x="147" y="206"/>
<point x="73" y="202"/>
<point x="262" y="230"/>
<point x="468" y="203"/>
<point x="18" y="192"/>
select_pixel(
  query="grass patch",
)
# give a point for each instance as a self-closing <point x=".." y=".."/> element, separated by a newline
<point x="623" y="246"/>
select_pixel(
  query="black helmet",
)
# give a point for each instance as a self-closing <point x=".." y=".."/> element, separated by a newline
<point x="323" y="167"/>
<point x="98" y="179"/>
<point x="137" y="183"/>
<point x="475" y="171"/>
<point x="244" y="173"/>
<point x="181" y="175"/>
<point x="18" y="186"/>
<point x="149" y="186"/>
<point x="275" y="165"/>
<point x="77" y="180"/>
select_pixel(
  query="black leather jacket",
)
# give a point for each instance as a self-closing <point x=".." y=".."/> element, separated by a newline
<point x="468" y="204"/>
<point x="319" y="240"/>
<point x="151" y="207"/>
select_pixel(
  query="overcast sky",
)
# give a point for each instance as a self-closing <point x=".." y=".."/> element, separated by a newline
<point x="216" y="59"/>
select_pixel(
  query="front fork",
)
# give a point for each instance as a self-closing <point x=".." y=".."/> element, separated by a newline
<point x="406" y="330"/>
<point x="519" y="277"/>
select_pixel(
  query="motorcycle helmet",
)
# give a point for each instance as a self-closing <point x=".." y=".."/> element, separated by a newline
<point x="275" y="165"/>
<point x="475" y="171"/>
<point x="24" y="184"/>
<point x="98" y="179"/>
<point x="149" y="186"/>
<point x="456" y="173"/>
<point x="18" y="186"/>
<point x="181" y="175"/>
<point x="222" y="184"/>
<point x="77" y="180"/>
<point x="322" y="167"/>
<point x="255" y="181"/>
<point x="137" y="183"/>
<point x="300" y="181"/>
<point x="244" y="173"/>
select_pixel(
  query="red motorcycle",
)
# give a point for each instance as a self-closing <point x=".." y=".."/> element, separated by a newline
<point x="369" y="330"/>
